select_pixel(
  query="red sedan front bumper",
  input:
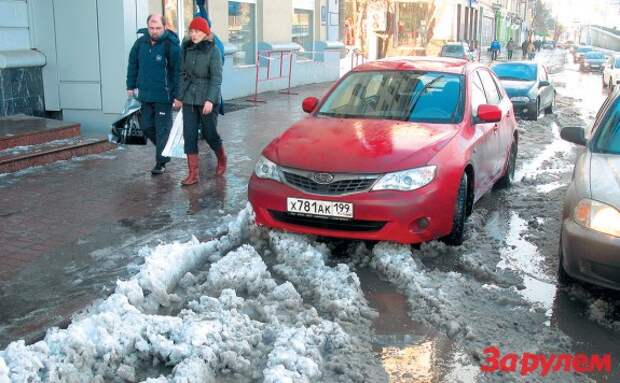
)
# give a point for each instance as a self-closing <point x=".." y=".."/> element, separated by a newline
<point x="378" y="215"/>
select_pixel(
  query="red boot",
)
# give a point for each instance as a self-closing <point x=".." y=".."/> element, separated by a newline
<point x="192" y="165"/>
<point x="221" y="161"/>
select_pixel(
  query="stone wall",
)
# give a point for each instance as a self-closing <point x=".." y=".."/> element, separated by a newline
<point x="21" y="92"/>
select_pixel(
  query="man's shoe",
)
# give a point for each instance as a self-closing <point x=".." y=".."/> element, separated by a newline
<point x="158" y="169"/>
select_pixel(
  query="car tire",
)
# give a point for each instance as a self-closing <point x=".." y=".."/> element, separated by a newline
<point x="533" y="114"/>
<point x="509" y="175"/>
<point x="549" y="109"/>
<point x="455" y="238"/>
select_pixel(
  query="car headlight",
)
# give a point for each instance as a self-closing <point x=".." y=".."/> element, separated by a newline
<point x="266" y="169"/>
<point x="407" y="180"/>
<point x="598" y="216"/>
<point x="520" y="99"/>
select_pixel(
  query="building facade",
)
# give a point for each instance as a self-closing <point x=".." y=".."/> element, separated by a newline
<point x="68" y="58"/>
<point x="380" y="28"/>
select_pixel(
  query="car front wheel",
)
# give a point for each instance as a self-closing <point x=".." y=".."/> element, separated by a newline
<point x="549" y="109"/>
<point x="455" y="238"/>
<point x="533" y="114"/>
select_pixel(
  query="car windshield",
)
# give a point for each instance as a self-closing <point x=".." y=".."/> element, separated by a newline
<point x="452" y="51"/>
<point x="594" y="55"/>
<point x="518" y="72"/>
<point x="397" y="95"/>
<point x="584" y="49"/>
<point x="607" y="140"/>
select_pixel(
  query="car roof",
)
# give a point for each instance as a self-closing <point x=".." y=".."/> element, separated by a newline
<point x="528" y="63"/>
<point x="422" y="63"/>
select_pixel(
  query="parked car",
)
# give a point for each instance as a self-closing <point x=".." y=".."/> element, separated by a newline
<point x="579" y="52"/>
<point x="458" y="50"/>
<point x="592" y="61"/>
<point x="611" y="72"/>
<point x="590" y="237"/>
<point x="399" y="149"/>
<point x="528" y="86"/>
<point x="548" y="44"/>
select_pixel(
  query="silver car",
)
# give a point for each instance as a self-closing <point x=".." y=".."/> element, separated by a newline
<point x="590" y="238"/>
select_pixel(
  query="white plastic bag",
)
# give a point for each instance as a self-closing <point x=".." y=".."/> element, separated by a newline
<point x="174" y="146"/>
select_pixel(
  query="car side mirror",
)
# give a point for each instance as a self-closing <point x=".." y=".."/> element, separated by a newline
<point x="489" y="113"/>
<point x="574" y="134"/>
<point x="543" y="83"/>
<point x="309" y="104"/>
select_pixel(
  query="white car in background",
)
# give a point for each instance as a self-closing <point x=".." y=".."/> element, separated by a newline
<point x="611" y="72"/>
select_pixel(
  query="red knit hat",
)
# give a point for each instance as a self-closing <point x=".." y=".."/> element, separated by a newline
<point x="200" y="24"/>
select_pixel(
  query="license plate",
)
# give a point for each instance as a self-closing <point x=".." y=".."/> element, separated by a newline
<point x="320" y="208"/>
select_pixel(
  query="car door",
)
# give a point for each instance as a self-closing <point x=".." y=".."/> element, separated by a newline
<point x="494" y="98"/>
<point x="485" y="145"/>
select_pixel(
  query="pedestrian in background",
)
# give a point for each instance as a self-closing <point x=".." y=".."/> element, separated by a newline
<point x="200" y="89"/>
<point x="509" y="48"/>
<point x="531" y="50"/>
<point x="153" y="70"/>
<point x="495" y="48"/>
<point x="524" y="49"/>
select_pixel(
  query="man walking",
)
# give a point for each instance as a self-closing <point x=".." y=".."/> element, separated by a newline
<point x="495" y="48"/>
<point x="153" y="70"/>
<point x="524" y="45"/>
<point x="509" y="48"/>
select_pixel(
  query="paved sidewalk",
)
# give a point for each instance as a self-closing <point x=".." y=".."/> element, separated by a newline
<point x="70" y="229"/>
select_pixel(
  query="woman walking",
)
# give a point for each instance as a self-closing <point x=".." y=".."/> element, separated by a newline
<point x="199" y="90"/>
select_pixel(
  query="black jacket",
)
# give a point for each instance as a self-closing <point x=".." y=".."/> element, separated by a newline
<point x="201" y="73"/>
<point x="154" y="69"/>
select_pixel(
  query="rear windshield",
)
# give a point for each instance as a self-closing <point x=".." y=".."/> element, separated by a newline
<point x="417" y="96"/>
<point x="607" y="140"/>
<point x="594" y="55"/>
<point x="514" y="71"/>
<point x="452" y="51"/>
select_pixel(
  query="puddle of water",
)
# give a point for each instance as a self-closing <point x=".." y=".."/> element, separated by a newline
<point x="523" y="256"/>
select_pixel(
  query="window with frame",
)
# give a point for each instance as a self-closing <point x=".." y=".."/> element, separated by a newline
<point x="412" y="23"/>
<point x="478" y="96"/>
<point x="303" y="31"/>
<point x="177" y="19"/>
<point x="242" y="31"/>
<point x="490" y="88"/>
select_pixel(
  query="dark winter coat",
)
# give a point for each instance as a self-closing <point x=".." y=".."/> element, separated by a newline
<point x="201" y="73"/>
<point x="154" y="69"/>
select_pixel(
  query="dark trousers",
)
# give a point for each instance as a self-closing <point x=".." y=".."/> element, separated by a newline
<point x="509" y="55"/>
<point x="156" y="122"/>
<point x="193" y="119"/>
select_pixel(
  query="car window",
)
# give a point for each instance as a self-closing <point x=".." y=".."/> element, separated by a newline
<point x="515" y="72"/>
<point x="607" y="139"/>
<point x="452" y="51"/>
<point x="477" y="94"/>
<point x="490" y="88"/>
<point x="398" y="95"/>
<point x="617" y="63"/>
<point x="594" y="55"/>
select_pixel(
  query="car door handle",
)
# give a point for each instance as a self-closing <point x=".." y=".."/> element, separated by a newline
<point x="508" y="114"/>
<point x="495" y="128"/>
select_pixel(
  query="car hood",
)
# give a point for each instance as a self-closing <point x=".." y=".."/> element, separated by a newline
<point x="605" y="178"/>
<point x="358" y="145"/>
<point x="517" y="88"/>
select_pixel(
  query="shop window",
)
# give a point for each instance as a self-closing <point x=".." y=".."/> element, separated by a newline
<point x="177" y="19"/>
<point x="242" y="31"/>
<point x="303" y="31"/>
<point x="155" y="6"/>
<point x="412" y="24"/>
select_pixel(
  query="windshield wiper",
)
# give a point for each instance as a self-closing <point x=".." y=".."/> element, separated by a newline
<point x="417" y="98"/>
<point x="513" y="78"/>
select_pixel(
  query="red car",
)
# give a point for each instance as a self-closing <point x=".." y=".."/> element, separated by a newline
<point x="398" y="149"/>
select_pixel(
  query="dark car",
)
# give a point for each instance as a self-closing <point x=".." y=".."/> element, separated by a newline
<point x="528" y="86"/>
<point x="580" y="51"/>
<point x="590" y="236"/>
<point x="592" y="61"/>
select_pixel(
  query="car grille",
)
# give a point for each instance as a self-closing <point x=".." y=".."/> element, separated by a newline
<point x="343" y="184"/>
<point x="327" y="223"/>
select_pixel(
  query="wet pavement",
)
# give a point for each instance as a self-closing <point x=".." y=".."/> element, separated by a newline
<point x="72" y="229"/>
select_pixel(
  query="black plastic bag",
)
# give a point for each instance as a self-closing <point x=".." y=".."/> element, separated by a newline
<point x="126" y="130"/>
